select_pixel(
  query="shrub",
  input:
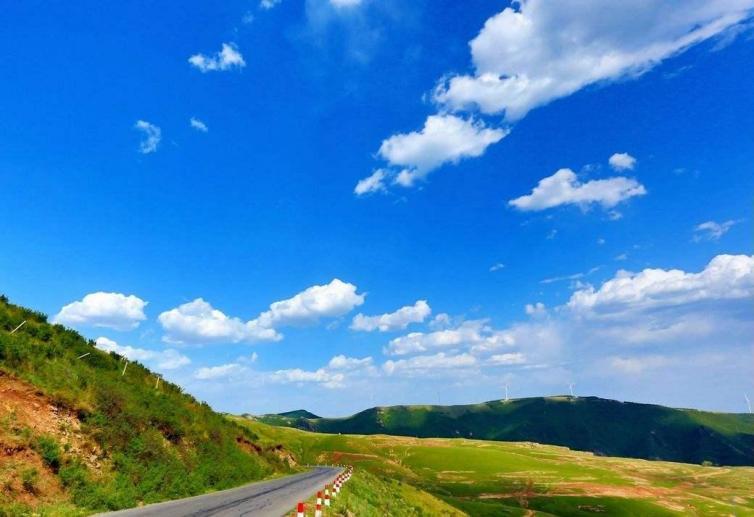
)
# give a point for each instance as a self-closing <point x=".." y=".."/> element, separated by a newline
<point x="50" y="451"/>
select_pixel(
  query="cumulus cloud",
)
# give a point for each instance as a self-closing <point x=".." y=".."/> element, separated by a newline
<point x="108" y="310"/>
<point x="622" y="162"/>
<point x="473" y="333"/>
<point x="341" y="362"/>
<point x="535" y="52"/>
<point x="496" y="267"/>
<point x="393" y="321"/>
<point x="726" y="277"/>
<point x="227" y="58"/>
<point x="372" y="183"/>
<point x="564" y="188"/>
<point x="152" y="136"/>
<point x="423" y="364"/>
<point x="321" y="376"/>
<point x="199" y="322"/>
<point x="711" y="230"/>
<point x="163" y="360"/>
<point x="444" y="139"/>
<point x="309" y="306"/>
<point x="218" y="372"/>
<point x="535" y="309"/>
<point x="667" y="307"/>
<point x="198" y="125"/>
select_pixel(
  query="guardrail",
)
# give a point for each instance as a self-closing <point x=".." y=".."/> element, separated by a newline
<point x="331" y="491"/>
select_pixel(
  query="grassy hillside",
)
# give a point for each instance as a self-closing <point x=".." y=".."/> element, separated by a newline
<point x="76" y="435"/>
<point x="488" y="478"/>
<point x="605" y="427"/>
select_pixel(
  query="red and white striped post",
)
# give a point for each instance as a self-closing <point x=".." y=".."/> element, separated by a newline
<point x="300" y="510"/>
<point x="327" y="496"/>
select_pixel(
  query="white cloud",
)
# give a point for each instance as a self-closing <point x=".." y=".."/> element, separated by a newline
<point x="164" y="360"/>
<point x="539" y="51"/>
<point x="219" y="372"/>
<point x="152" y="136"/>
<point x="711" y="230"/>
<point x="476" y="334"/>
<point x="622" y="161"/>
<point x="345" y="3"/>
<point x="198" y="125"/>
<point x="308" y="306"/>
<point x="507" y="359"/>
<point x="496" y="267"/>
<point x="341" y="362"/>
<point x="321" y="376"/>
<point x="108" y="310"/>
<point x="444" y="139"/>
<point x="429" y="363"/>
<point x="726" y="277"/>
<point x="393" y="321"/>
<point x="536" y="309"/>
<point x="563" y="188"/>
<point x="227" y="58"/>
<point x="199" y="322"/>
<point x="268" y="4"/>
<point x="373" y="183"/>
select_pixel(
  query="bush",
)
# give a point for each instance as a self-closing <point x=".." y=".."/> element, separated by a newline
<point x="50" y="451"/>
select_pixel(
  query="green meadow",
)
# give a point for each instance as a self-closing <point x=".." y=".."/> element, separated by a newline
<point x="511" y="478"/>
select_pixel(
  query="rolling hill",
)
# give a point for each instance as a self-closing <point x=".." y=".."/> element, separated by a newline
<point x="490" y="478"/>
<point x="604" y="427"/>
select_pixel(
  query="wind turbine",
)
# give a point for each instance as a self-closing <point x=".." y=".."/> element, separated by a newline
<point x="748" y="402"/>
<point x="570" y="388"/>
<point x="506" y="392"/>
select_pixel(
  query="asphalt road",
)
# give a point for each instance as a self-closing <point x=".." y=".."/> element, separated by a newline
<point x="263" y="499"/>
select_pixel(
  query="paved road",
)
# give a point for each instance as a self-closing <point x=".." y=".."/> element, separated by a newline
<point x="263" y="499"/>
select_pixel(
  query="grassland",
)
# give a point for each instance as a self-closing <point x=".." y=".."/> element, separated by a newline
<point x="605" y="427"/>
<point x="488" y="478"/>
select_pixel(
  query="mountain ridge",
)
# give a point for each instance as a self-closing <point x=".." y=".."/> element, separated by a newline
<point x="602" y="426"/>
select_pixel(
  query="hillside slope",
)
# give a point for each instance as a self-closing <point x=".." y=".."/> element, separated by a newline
<point x="77" y="435"/>
<point x="605" y="427"/>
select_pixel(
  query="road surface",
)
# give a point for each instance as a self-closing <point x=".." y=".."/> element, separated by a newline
<point x="263" y="499"/>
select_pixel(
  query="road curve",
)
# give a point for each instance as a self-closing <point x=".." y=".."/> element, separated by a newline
<point x="262" y="499"/>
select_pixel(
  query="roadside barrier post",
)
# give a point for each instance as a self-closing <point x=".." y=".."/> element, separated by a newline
<point x="327" y="496"/>
<point x="300" y="510"/>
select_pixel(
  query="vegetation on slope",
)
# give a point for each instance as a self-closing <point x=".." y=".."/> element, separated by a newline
<point x="96" y="439"/>
<point x="486" y="478"/>
<point x="605" y="427"/>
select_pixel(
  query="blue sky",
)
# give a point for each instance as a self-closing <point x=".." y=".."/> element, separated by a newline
<point x="460" y="160"/>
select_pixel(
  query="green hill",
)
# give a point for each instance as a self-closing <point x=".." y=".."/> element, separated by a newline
<point x="78" y="435"/>
<point x="490" y="478"/>
<point x="605" y="427"/>
<point x="299" y="413"/>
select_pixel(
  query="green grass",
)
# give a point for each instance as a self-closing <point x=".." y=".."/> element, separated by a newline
<point x="151" y="444"/>
<point x="499" y="478"/>
<point x="584" y="423"/>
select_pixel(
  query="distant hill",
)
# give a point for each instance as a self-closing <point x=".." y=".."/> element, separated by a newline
<point x="604" y="427"/>
<point x="81" y="432"/>
<point x="299" y="413"/>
